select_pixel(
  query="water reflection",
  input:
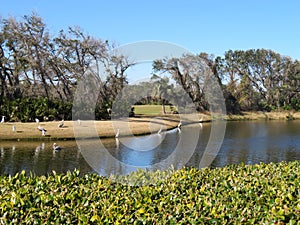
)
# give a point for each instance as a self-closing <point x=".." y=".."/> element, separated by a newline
<point x="248" y="142"/>
<point x="255" y="142"/>
<point x="39" y="158"/>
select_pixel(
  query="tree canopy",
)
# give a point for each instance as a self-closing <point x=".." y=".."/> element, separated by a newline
<point x="43" y="69"/>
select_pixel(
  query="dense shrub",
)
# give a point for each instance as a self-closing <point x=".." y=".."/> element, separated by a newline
<point x="27" y="109"/>
<point x="235" y="194"/>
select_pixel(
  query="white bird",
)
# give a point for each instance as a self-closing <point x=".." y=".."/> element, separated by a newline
<point x="14" y="128"/>
<point x="37" y="120"/>
<point x="201" y="120"/>
<point x="2" y="121"/>
<point x="56" y="147"/>
<point x="118" y="133"/>
<point x="179" y="130"/>
<point x="160" y="130"/>
<point x="179" y="125"/>
<point x="79" y="122"/>
<point x="43" y="130"/>
<point x="61" y="124"/>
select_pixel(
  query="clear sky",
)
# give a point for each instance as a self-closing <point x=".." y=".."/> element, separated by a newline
<point x="199" y="26"/>
<point x="209" y="26"/>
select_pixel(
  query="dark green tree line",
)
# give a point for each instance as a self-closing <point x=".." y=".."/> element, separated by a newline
<point x="256" y="79"/>
<point x="35" y="64"/>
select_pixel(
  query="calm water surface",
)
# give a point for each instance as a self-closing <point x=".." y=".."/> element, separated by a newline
<point x="249" y="142"/>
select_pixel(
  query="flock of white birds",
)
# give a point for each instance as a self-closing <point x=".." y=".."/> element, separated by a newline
<point x="61" y="124"/>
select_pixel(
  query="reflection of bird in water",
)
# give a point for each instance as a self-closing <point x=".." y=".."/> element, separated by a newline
<point x="43" y="146"/>
<point x="201" y="121"/>
<point x="160" y="130"/>
<point x="37" y="151"/>
<point x="179" y="127"/>
<point x="117" y="143"/>
<point x="118" y="133"/>
<point x="117" y="139"/>
<point x="2" y="152"/>
<point x="14" y="128"/>
<point x="56" y="147"/>
<point x="13" y="149"/>
<point x="2" y="120"/>
<point x="43" y="130"/>
<point x="61" y="124"/>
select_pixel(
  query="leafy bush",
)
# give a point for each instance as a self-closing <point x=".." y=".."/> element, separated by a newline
<point x="27" y="109"/>
<point x="235" y="194"/>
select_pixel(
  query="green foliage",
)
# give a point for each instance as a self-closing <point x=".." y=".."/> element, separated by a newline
<point x="295" y="103"/>
<point x="27" y="109"/>
<point x="235" y="194"/>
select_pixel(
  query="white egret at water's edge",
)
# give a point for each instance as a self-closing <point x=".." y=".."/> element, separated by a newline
<point x="118" y="133"/>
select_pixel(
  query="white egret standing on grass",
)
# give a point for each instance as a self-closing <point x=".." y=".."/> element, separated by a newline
<point x="160" y="130"/>
<point x="14" y="128"/>
<point x="37" y="120"/>
<point x="79" y="122"/>
<point x="43" y="130"/>
<point x="61" y="124"/>
<point x="2" y="120"/>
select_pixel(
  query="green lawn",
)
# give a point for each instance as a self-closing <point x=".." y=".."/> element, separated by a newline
<point x="150" y="109"/>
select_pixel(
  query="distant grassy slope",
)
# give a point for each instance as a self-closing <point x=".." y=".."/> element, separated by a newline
<point x="150" y="109"/>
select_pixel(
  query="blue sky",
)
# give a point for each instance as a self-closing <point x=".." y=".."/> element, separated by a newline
<point x="199" y="26"/>
<point x="209" y="26"/>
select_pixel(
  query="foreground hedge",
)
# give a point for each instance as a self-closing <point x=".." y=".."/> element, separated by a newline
<point x="265" y="193"/>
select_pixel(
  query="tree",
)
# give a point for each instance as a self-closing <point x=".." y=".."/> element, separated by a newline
<point x="192" y="73"/>
<point x="256" y="77"/>
<point x="35" y="64"/>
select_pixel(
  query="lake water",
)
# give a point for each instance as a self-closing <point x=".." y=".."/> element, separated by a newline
<point x="249" y="142"/>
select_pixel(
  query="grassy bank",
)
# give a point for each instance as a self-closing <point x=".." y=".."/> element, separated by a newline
<point x="137" y="126"/>
<point x="206" y="116"/>
<point x="149" y="118"/>
<point x="285" y="115"/>
<point x="236" y="194"/>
